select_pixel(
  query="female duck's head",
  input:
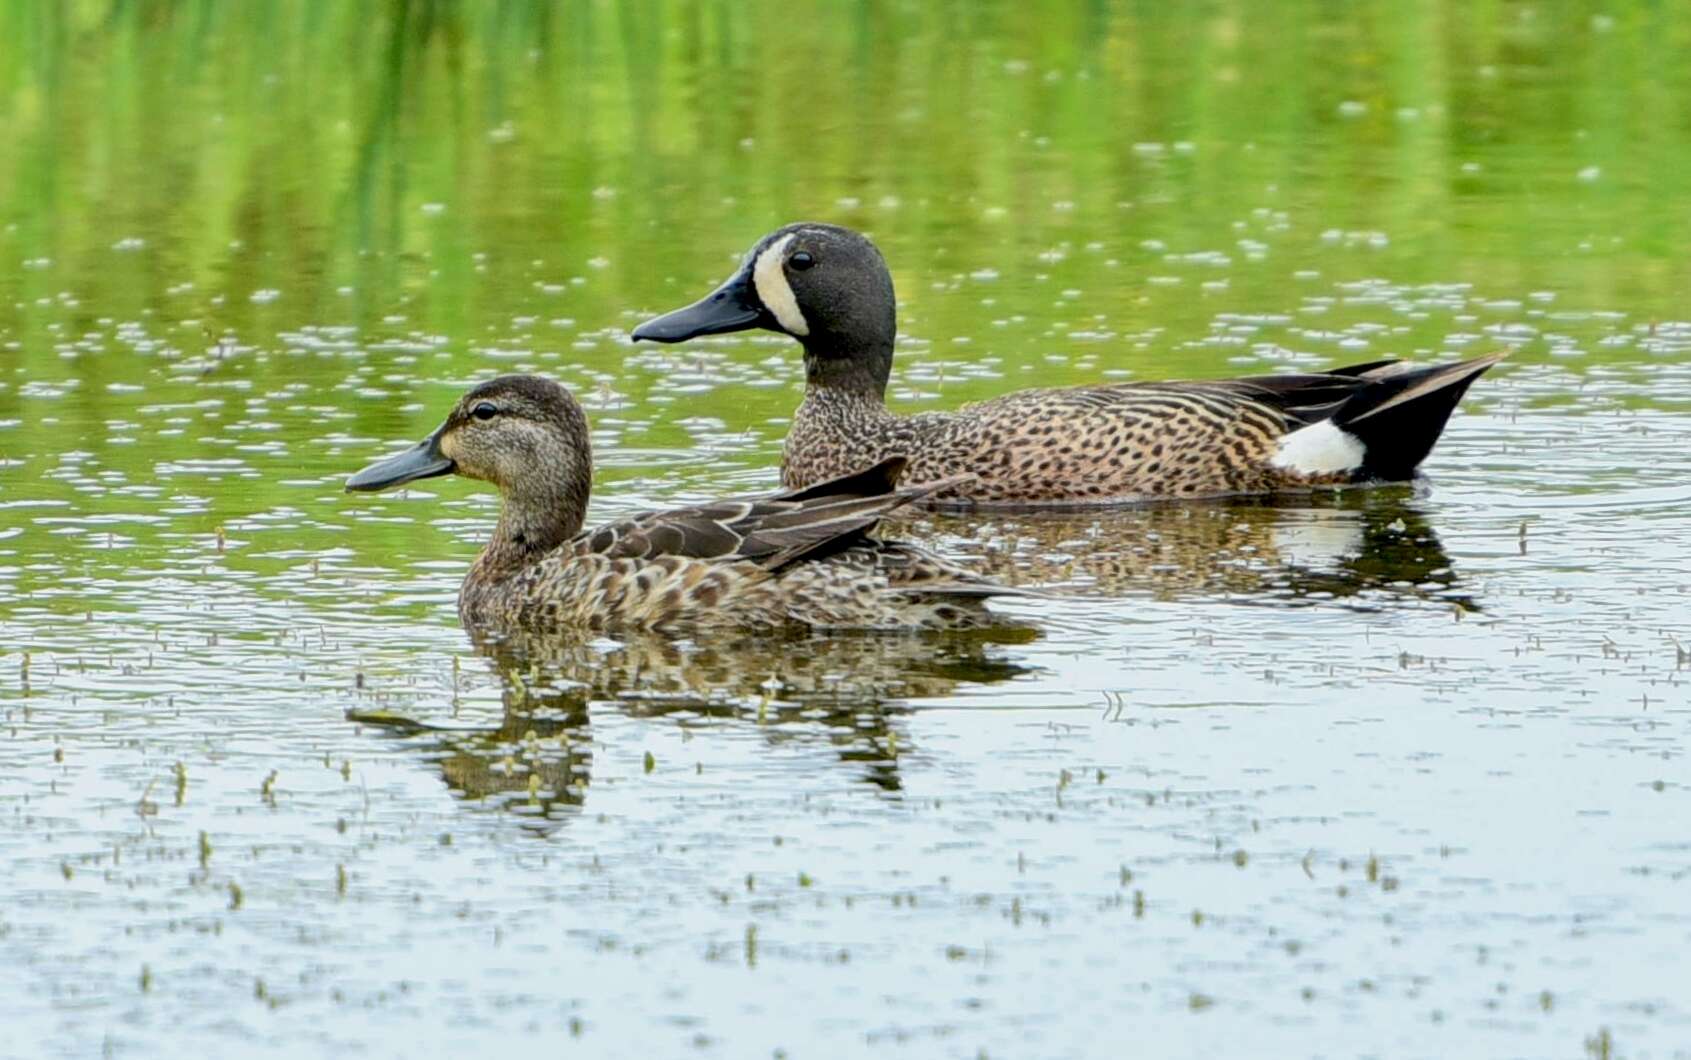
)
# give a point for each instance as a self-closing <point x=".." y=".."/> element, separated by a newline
<point x="824" y="285"/>
<point x="524" y="434"/>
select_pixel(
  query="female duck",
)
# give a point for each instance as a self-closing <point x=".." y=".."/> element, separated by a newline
<point x="799" y="558"/>
<point x="829" y="288"/>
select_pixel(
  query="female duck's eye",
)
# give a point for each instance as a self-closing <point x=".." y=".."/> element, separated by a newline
<point x="484" y="411"/>
<point x="801" y="261"/>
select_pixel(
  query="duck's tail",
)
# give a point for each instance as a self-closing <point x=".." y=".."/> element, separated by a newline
<point x="1385" y="428"/>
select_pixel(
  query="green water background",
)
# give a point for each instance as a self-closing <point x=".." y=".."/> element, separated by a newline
<point x="244" y="248"/>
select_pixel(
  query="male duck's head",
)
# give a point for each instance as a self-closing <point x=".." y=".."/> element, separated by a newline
<point x="525" y="434"/>
<point x="824" y="285"/>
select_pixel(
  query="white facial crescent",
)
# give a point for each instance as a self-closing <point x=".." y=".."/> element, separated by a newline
<point x="774" y="290"/>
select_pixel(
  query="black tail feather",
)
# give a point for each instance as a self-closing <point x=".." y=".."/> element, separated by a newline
<point x="1400" y="415"/>
<point x="1364" y="368"/>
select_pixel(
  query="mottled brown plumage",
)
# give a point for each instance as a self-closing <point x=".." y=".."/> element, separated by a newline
<point x="829" y="287"/>
<point x="799" y="558"/>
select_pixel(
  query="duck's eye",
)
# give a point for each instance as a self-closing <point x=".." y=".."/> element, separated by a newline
<point x="485" y="411"/>
<point x="801" y="261"/>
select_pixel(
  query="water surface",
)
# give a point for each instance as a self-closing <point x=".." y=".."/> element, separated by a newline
<point x="1400" y="773"/>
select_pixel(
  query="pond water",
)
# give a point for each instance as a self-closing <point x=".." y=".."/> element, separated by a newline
<point x="1395" y="773"/>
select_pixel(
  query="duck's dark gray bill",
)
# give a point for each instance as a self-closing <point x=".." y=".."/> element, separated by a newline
<point x="423" y="460"/>
<point x="732" y="307"/>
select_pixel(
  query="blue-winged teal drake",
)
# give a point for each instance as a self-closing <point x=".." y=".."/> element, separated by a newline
<point x="829" y="288"/>
<point x="800" y="558"/>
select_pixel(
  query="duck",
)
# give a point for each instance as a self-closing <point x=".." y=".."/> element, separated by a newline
<point x="797" y="558"/>
<point x="828" y="287"/>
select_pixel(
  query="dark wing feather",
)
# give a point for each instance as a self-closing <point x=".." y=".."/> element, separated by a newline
<point x="1365" y="368"/>
<point x="1305" y="397"/>
<point x="870" y="482"/>
<point x="771" y="531"/>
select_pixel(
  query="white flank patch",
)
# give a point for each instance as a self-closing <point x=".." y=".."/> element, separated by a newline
<point x="773" y="288"/>
<point x="1319" y="449"/>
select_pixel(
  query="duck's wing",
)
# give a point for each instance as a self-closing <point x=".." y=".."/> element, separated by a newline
<point x="771" y="531"/>
<point x="1310" y="397"/>
<point x="1305" y="397"/>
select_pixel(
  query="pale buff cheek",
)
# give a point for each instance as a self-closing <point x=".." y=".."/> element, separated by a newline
<point x="453" y="450"/>
<point x="468" y="464"/>
<point x="774" y="290"/>
<point x="513" y="450"/>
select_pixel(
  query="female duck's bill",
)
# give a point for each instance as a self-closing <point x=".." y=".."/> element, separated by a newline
<point x="423" y="460"/>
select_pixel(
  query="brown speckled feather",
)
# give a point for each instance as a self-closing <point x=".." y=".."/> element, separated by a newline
<point x="1080" y="444"/>
<point x="794" y="558"/>
<point x="1135" y="441"/>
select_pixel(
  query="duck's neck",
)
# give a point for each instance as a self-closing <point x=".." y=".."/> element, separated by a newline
<point x="856" y="372"/>
<point x="843" y="425"/>
<point x="843" y="408"/>
<point x="537" y="515"/>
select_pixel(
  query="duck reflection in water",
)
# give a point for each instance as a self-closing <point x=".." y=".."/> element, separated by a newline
<point x="851" y="691"/>
<point x="855" y="691"/>
<point x="1367" y="551"/>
